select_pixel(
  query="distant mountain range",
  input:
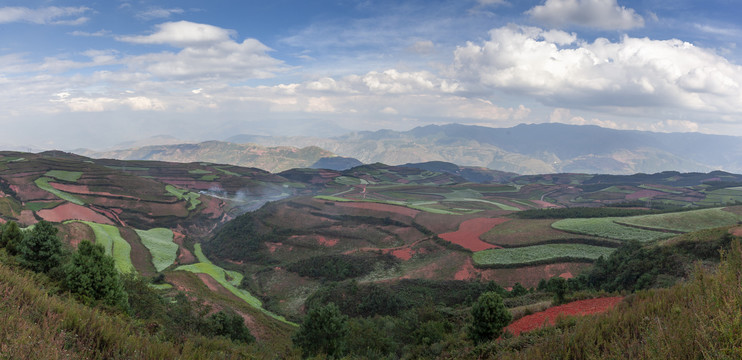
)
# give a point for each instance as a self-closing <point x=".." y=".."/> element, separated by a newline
<point x="523" y="149"/>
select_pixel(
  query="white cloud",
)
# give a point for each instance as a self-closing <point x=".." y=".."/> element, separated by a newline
<point x="631" y="73"/>
<point x="183" y="34"/>
<point x="46" y="15"/>
<point x="208" y="52"/>
<point x="98" y="33"/>
<point x="601" y="14"/>
<point x="564" y="116"/>
<point x="674" y="126"/>
<point x="422" y="47"/>
<point x="158" y="13"/>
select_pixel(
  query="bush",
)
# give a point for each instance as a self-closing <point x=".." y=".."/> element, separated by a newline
<point x="230" y="325"/>
<point x="323" y="331"/>
<point x="489" y="317"/>
<point x="40" y="250"/>
<point x="11" y="237"/>
<point x="92" y="275"/>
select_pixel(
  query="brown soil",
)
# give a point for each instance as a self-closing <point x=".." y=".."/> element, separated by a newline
<point x="140" y="255"/>
<point x="75" y="232"/>
<point x="470" y="231"/>
<point x="27" y="218"/>
<point x="184" y="255"/>
<point x="545" y="204"/>
<point x="71" y="211"/>
<point x="736" y="231"/>
<point x="644" y="193"/>
<point x="547" y="317"/>
<point x="84" y="190"/>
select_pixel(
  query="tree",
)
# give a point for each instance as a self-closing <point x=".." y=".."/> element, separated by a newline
<point x="230" y="325"/>
<point x="489" y="318"/>
<point x="323" y="331"/>
<point x="518" y="290"/>
<point x="11" y="237"/>
<point x="92" y="275"/>
<point x="41" y="249"/>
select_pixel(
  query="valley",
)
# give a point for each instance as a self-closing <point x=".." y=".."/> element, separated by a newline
<point x="273" y="246"/>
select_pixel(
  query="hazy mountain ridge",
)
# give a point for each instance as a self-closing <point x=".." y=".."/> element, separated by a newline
<point x="523" y="149"/>
<point x="536" y="148"/>
<point x="273" y="159"/>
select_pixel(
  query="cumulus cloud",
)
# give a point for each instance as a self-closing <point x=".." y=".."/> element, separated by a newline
<point x="46" y="15"/>
<point x="207" y="52"/>
<point x="557" y="68"/>
<point x="601" y="14"/>
<point x="182" y="34"/>
<point x="674" y="126"/>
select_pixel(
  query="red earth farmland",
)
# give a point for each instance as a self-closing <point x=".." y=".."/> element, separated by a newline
<point x="547" y="317"/>
<point x="469" y="232"/>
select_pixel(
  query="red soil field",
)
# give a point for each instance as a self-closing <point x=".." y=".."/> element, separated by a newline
<point x="547" y="317"/>
<point x="643" y="193"/>
<point x="326" y="242"/>
<point x="469" y="232"/>
<point x="403" y="254"/>
<point x="71" y="211"/>
<point x="184" y="255"/>
<point x="737" y="231"/>
<point x="84" y="190"/>
<point x="380" y="207"/>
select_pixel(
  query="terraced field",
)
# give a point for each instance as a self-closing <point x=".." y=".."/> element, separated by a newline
<point x="43" y="183"/>
<point x="685" y="221"/>
<point x="522" y="232"/>
<point x="159" y="242"/>
<point x="114" y="244"/>
<point x="226" y="278"/>
<point x="539" y="254"/>
<point x="608" y="228"/>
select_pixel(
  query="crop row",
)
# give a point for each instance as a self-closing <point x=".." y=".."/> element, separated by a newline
<point x="539" y="254"/>
<point x="608" y="228"/>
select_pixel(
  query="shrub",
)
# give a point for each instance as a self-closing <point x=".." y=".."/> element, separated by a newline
<point x="92" y="275"/>
<point x="40" y="250"/>
<point x="489" y="317"/>
<point x="323" y="331"/>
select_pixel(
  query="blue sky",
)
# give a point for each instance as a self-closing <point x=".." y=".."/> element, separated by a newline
<point x="96" y="73"/>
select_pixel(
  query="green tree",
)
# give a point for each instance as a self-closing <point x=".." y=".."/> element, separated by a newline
<point x="92" y="274"/>
<point x="12" y="237"/>
<point x="41" y="250"/>
<point x="518" y="290"/>
<point x="489" y="317"/>
<point x="230" y="325"/>
<point x="323" y="331"/>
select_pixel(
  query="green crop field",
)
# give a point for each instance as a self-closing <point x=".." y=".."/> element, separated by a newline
<point x="183" y="194"/>
<point x="115" y="245"/>
<point x="226" y="278"/>
<point x="522" y="232"/>
<point x="71" y="176"/>
<point x="227" y="171"/>
<point x="685" y="221"/>
<point x="43" y="184"/>
<point x="199" y="172"/>
<point x="160" y="243"/>
<point x="39" y="205"/>
<point x="539" y="254"/>
<point x="721" y="197"/>
<point x="608" y="228"/>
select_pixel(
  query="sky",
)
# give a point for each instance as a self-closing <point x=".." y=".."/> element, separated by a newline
<point x="93" y="74"/>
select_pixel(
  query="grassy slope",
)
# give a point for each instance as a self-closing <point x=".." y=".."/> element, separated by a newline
<point x="228" y="279"/>
<point x="694" y="320"/>
<point x="43" y="326"/>
<point x="159" y="242"/>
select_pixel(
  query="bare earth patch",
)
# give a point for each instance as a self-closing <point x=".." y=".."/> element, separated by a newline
<point x="736" y="231"/>
<point x="71" y="211"/>
<point x="470" y="231"/>
<point x="576" y="308"/>
<point x="184" y="255"/>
